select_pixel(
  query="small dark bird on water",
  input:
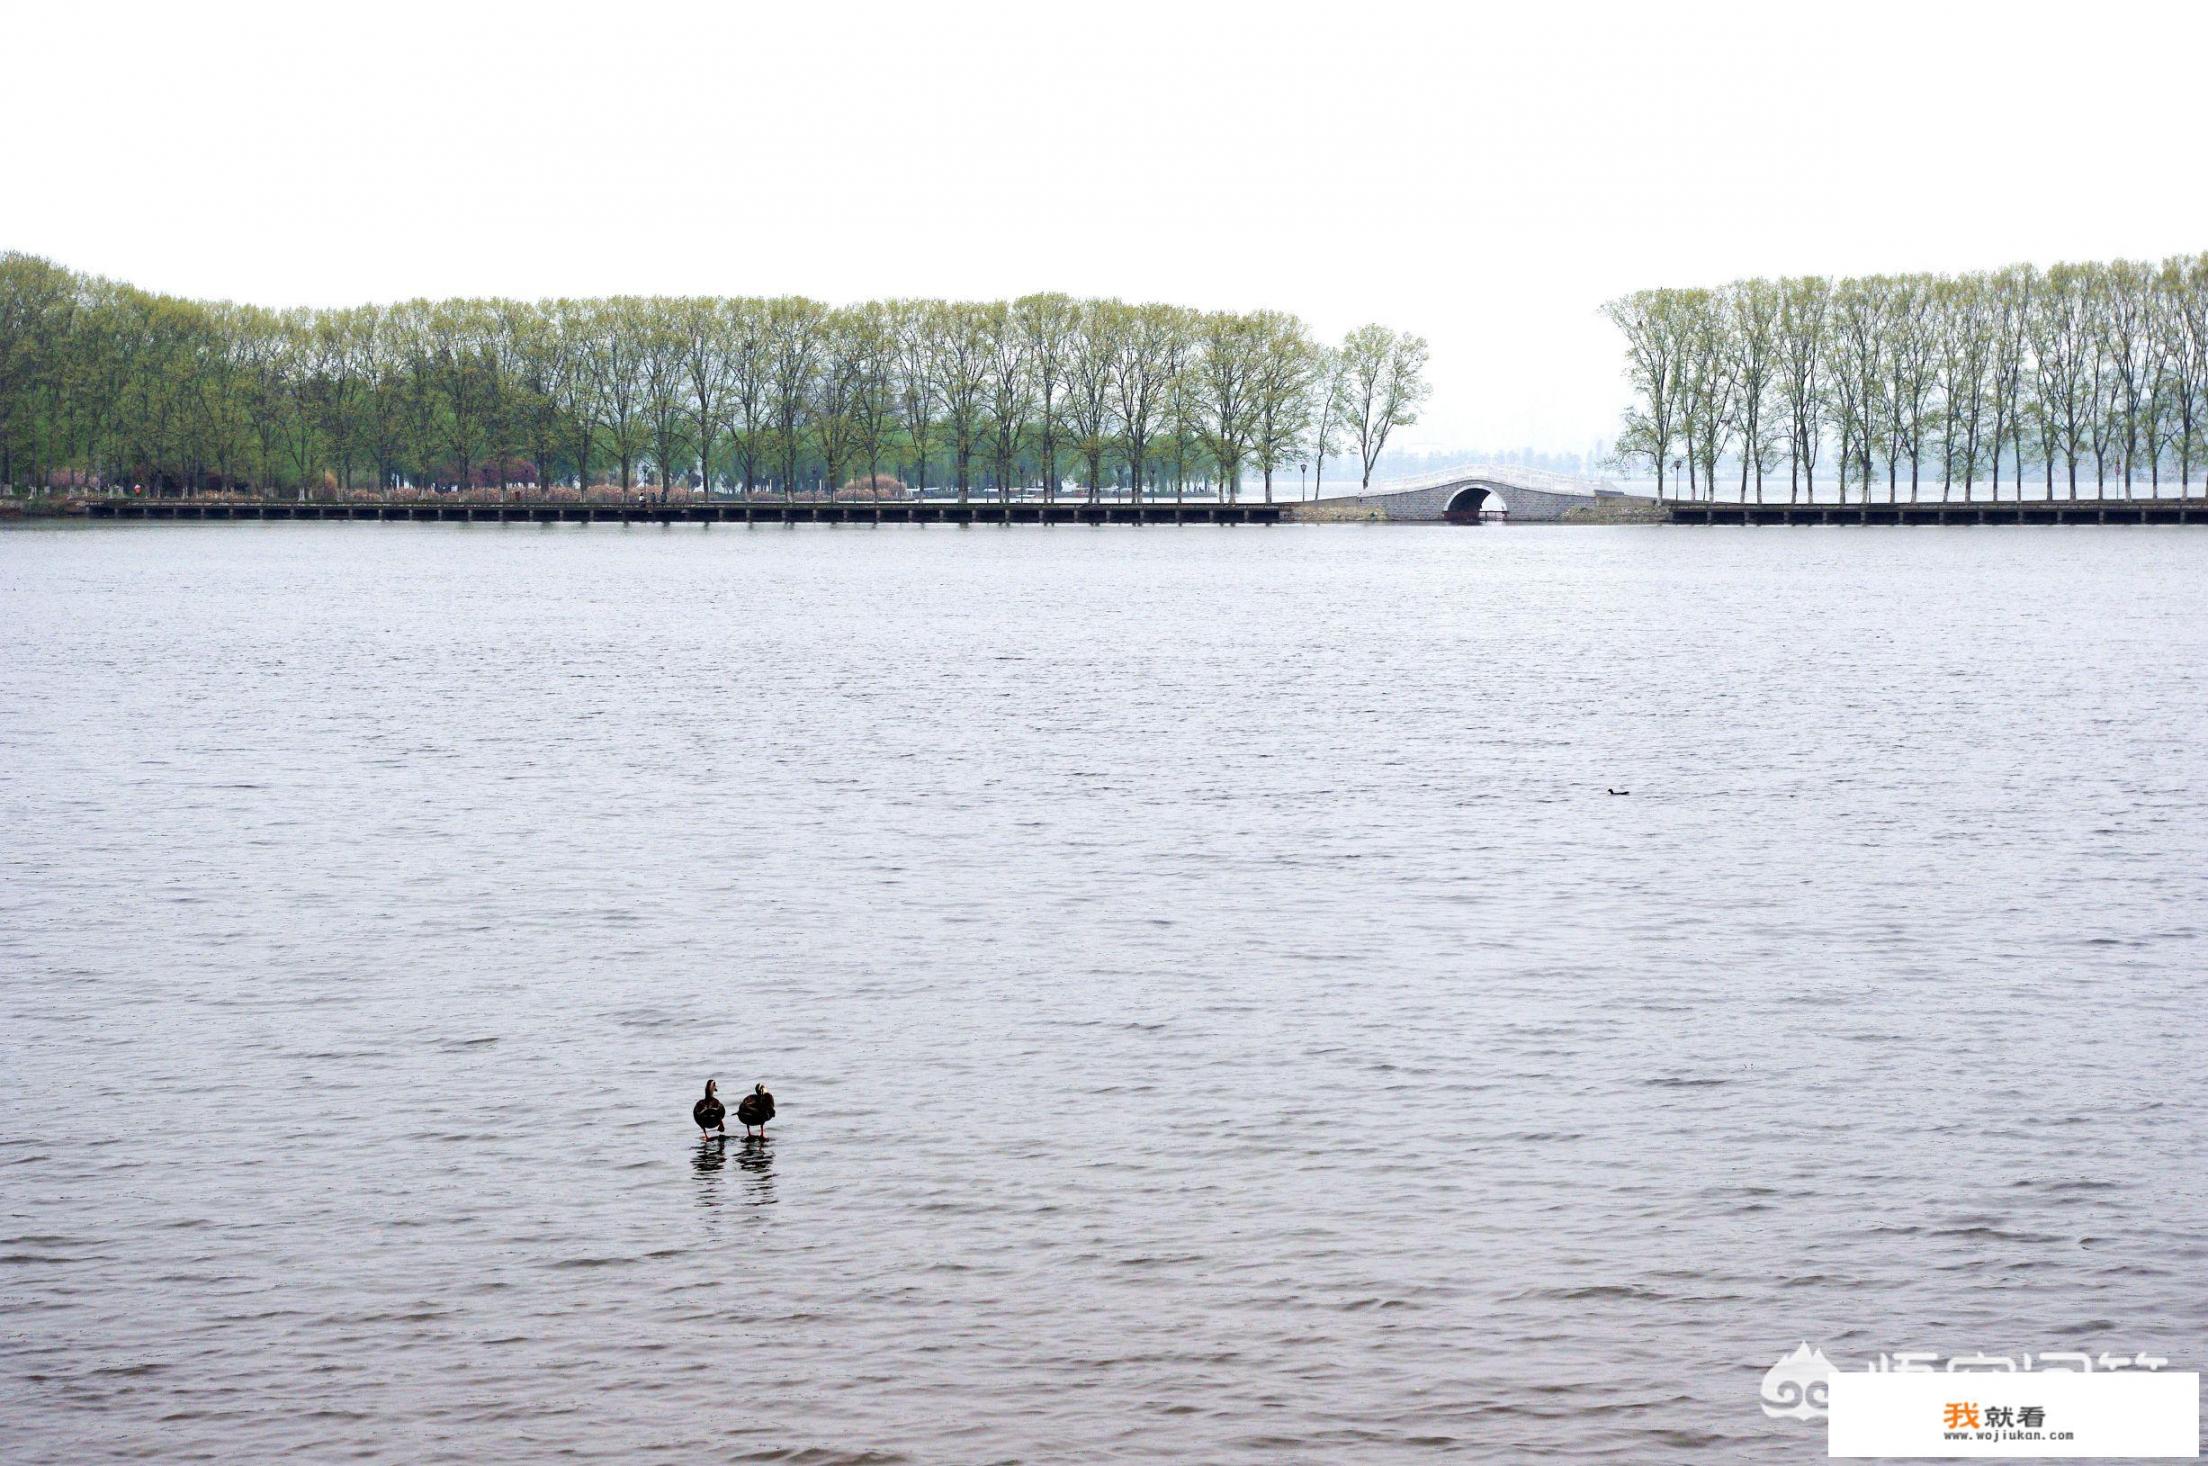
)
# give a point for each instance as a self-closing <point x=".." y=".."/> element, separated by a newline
<point x="756" y="1109"/>
<point x="1618" y="791"/>
<point x="708" y="1112"/>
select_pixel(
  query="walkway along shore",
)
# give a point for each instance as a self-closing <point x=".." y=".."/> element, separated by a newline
<point x="1629" y="511"/>
<point x="739" y="511"/>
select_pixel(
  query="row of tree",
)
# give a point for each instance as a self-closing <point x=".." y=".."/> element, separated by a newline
<point x="2098" y="369"/>
<point x="104" y="386"/>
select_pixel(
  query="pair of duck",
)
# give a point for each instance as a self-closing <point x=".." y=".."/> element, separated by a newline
<point x="755" y="1108"/>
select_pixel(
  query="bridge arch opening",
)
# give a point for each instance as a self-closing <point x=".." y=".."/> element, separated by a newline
<point x="1476" y="504"/>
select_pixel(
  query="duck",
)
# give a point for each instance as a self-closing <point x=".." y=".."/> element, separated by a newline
<point x="757" y="1108"/>
<point x="708" y="1112"/>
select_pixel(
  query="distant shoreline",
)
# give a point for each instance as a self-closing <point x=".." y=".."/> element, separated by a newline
<point x="1407" y="507"/>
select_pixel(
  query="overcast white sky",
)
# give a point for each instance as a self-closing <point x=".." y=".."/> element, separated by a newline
<point x="1486" y="177"/>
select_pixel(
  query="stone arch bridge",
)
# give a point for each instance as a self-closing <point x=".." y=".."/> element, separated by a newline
<point x="1485" y="493"/>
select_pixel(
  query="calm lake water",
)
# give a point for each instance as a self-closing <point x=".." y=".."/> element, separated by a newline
<point x="1215" y="1009"/>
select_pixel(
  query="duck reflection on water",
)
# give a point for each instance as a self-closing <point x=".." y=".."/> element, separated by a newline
<point x="754" y="1156"/>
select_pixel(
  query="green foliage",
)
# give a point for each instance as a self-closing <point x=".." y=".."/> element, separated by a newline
<point x="1964" y="377"/>
<point x="106" y="387"/>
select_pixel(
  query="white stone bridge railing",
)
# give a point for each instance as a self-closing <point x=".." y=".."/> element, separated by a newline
<point x="1511" y="491"/>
